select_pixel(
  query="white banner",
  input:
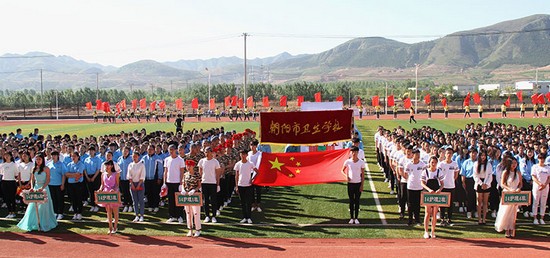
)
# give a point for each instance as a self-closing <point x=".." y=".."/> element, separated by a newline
<point x="319" y="106"/>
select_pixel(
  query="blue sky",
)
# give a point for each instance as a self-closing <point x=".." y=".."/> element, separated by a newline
<point x="118" y="32"/>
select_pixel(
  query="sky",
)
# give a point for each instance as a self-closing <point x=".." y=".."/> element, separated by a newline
<point x="118" y="32"/>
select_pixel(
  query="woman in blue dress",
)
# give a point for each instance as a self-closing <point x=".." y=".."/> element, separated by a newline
<point x="40" y="178"/>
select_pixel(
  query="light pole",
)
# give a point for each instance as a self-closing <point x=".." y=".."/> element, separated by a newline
<point x="245" y="72"/>
<point x="416" y="87"/>
<point x="206" y="68"/>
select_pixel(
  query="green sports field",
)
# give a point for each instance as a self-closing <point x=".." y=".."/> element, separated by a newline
<point x="317" y="211"/>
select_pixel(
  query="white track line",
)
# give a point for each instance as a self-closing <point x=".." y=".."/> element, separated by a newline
<point x="375" y="196"/>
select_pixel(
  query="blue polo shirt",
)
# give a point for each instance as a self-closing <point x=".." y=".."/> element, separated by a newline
<point x="57" y="170"/>
<point x="123" y="164"/>
<point x="78" y="167"/>
<point x="92" y="164"/>
<point x="467" y="168"/>
<point x="525" y="166"/>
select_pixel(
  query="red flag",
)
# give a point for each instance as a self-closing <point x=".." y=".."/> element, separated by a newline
<point x="153" y="105"/>
<point x="540" y="99"/>
<point x="123" y="104"/>
<point x="375" y="101"/>
<point x="289" y="169"/>
<point x="143" y="103"/>
<point x="162" y="105"/>
<point x="234" y="100"/>
<point x="98" y="104"/>
<point x="407" y="103"/>
<point x="427" y="99"/>
<point x="134" y="103"/>
<point x="300" y="99"/>
<point x="548" y="96"/>
<point x="391" y="101"/>
<point x="519" y="94"/>
<point x="250" y="102"/>
<point x="195" y="103"/>
<point x="340" y="98"/>
<point x="467" y="100"/>
<point x="179" y="104"/>
<point x="265" y="101"/>
<point x="241" y="103"/>
<point x="477" y="98"/>
<point x="507" y="102"/>
<point x="212" y="103"/>
<point x="117" y="106"/>
<point x="317" y="97"/>
<point x="106" y="107"/>
<point x="89" y="105"/>
<point x="535" y="98"/>
<point x="282" y="101"/>
<point x="444" y="102"/>
<point x="358" y="102"/>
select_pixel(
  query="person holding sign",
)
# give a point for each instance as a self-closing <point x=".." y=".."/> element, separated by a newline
<point x="432" y="182"/>
<point x="191" y="184"/>
<point x="483" y="176"/>
<point x="354" y="170"/>
<point x="511" y="182"/>
<point x="136" y="177"/>
<point x="541" y="179"/>
<point x="39" y="215"/>
<point x="110" y="181"/>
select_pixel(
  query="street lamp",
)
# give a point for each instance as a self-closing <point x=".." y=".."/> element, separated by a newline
<point x="206" y="68"/>
<point x="416" y="87"/>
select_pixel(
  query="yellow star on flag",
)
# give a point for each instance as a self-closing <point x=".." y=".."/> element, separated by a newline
<point x="298" y="164"/>
<point x="291" y="158"/>
<point x="298" y="171"/>
<point x="275" y="164"/>
<point x="290" y="175"/>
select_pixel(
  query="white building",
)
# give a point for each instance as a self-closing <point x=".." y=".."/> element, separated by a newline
<point x="463" y="90"/>
<point x="531" y="87"/>
<point x="489" y="87"/>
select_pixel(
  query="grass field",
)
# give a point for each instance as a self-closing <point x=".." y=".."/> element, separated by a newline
<point x="317" y="211"/>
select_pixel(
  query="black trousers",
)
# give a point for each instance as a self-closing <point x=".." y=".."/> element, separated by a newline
<point x="245" y="194"/>
<point x="411" y="119"/>
<point x="402" y="197"/>
<point x="230" y="179"/>
<point x="354" y="195"/>
<point x="494" y="195"/>
<point x="125" y="193"/>
<point x="75" y="191"/>
<point x="413" y="197"/>
<point x="210" y="198"/>
<point x="92" y="187"/>
<point x="447" y="212"/>
<point x="173" y="210"/>
<point x="9" y="188"/>
<point x="430" y="114"/>
<point x="57" y="198"/>
<point x="257" y="195"/>
<point x="446" y="114"/>
<point x="152" y="191"/>
<point x="480" y="114"/>
<point x="222" y="193"/>
<point x="471" y="202"/>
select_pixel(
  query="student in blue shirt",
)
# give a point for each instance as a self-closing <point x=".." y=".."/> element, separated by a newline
<point x="18" y="134"/>
<point x="123" y="162"/>
<point x="57" y="171"/>
<point x="75" y="188"/>
<point x="525" y="165"/>
<point x="467" y="173"/>
<point x="93" y="176"/>
<point x="154" y="173"/>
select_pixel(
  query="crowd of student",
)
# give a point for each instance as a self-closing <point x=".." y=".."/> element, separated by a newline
<point x="474" y="165"/>
<point x="140" y="165"/>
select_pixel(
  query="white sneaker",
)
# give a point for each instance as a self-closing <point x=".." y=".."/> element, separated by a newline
<point x="79" y="216"/>
<point x="530" y="214"/>
<point x="156" y="210"/>
<point x="180" y="220"/>
<point x="386" y="180"/>
<point x="351" y="221"/>
<point x="150" y="209"/>
<point x="526" y="214"/>
<point x="141" y="219"/>
<point x="125" y="209"/>
<point x="4" y="205"/>
<point x="130" y="209"/>
<point x="190" y="233"/>
<point x="161" y="203"/>
<point x="206" y="220"/>
<point x="218" y="213"/>
<point x="432" y="235"/>
<point x="542" y="222"/>
<point x="460" y="209"/>
<point x="258" y="209"/>
<point x="96" y="208"/>
<point x="197" y="233"/>
<point x="249" y="221"/>
<point x="136" y="219"/>
<point x="475" y="214"/>
<point x="74" y="217"/>
<point x="252" y="209"/>
<point x="71" y="209"/>
<point x="221" y="208"/>
<point x="494" y="214"/>
<point x="356" y="221"/>
<point x="170" y="220"/>
<point x="438" y="216"/>
<point x="392" y="192"/>
<point x="468" y="215"/>
<point x="536" y="222"/>
<point x="214" y="220"/>
<point x="85" y="203"/>
<point x="426" y="235"/>
<point x="8" y="217"/>
<point x="59" y="216"/>
<point x="243" y="221"/>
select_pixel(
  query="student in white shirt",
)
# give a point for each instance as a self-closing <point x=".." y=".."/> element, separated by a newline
<point x="253" y="156"/>
<point x="449" y="170"/>
<point x="9" y="172"/>
<point x="432" y="182"/>
<point x="354" y="170"/>
<point x="541" y="180"/>
<point x="402" y="194"/>
<point x="243" y="177"/>
<point x="174" y="167"/>
<point x="412" y="172"/>
<point x="483" y="176"/>
<point x="136" y="178"/>
<point x="210" y="168"/>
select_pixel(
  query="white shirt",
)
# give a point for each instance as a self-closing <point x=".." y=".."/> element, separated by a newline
<point x="9" y="171"/>
<point x="402" y="161"/>
<point x="485" y="174"/>
<point x="209" y="170"/>
<point x="448" y="171"/>
<point x="541" y="173"/>
<point x="136" y="172"/>
<point x="253" y="158"/>
<point x="245" y="173"/>
<point x="354" y="170"/>
<point x="414" y="172"/>
<point x="173" y="168"/>
<point x="25" y="171"/>
<point x="103" y="168"/>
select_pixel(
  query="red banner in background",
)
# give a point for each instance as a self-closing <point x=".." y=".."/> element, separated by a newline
<point x="98" y="104"/>
<point x="282" y="101"/>
<point x="153" y="105"/>
<point x="123" y="104"/>
<point x="227" y="101"/>
<point x="195" y="103"/>
<point x="234" y="100"/>
<point x="134" y="103"/>
<point x="250" y="102"/>
<point x="358" y="102"/>
<point x="477" y="98"/>
<point x="143" y="104"/>
<point x="89" y="105"/>
<point x="265" y="101"/>
<point x="309" y="127"/>
<point x="340" y="98"/>
<point x="300" y="99"/>
<point x="162" y="105"/>
<point x="427" y="99"/>
<point x="317" y="97"/>
<point x="212" y="104"/>
<point x="444" y="102"/>
<point x="375" y="101"/>
<point x="241" y="103"/>
<point x="407" y="103"/>
<point x="391" y="101"/>
<point x="519" y="94"/>
<point x="179" y="104"/>
<point x="507" y="102"/>
<point x="466" y="100"/>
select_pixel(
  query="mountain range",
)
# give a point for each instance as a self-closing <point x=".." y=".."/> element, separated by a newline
<point x="502" y="52"/>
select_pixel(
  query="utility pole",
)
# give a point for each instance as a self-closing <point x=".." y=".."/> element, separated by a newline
<point x="537" y="78"/>
<point x="245" y="71"/>
<point x="171" y="88"/>
<point x="208" y="87"/>
<point x="386" y="105"/>
<point x="56" y="106"/>
<point x="416" y="87"/>
<point x="96" y="85"/>
<point x="131" y="87"/>
<point x="41" y="92"/>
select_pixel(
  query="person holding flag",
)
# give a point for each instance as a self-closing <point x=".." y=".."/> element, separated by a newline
<point x="480" y="110"/>
<point x="522" y="110"/>
<point x="446" y="110"/>
<point x="411" y="112"/>
<point x="535" y="110"/>
<point x="503" y="110"/>
<point x="395" y="109"/>
<point x="354" y="170"/>
<point x="429" y="111"/>
<point x="467" y="110"/>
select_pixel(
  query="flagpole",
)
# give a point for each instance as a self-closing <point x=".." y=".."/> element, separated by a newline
<point x="386" y="105"/>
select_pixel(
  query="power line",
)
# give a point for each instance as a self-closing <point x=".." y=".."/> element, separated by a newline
<point x="17" y="57"/>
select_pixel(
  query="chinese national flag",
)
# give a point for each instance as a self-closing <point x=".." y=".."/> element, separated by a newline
<point x="375" y="101"/>
<point x="282" y="101"/>
<point x="241" y="103"/>
<point x="134" y="103"/>
<point x="534" y="99"/>
<point x="143" y="103"/>
<point x="89" y="105"/>
<point x="106" y="107"/>
<point x="179" y="104"/>
<point x="519" y="94"/>
<point x="306" y="168"/>
<point x="477" y="98"/>
<point x="153" y="105"/>
<point x="340" y="98"/>
<point x="444" y="102"/>
<point x="195" y="103"/>
<point x="212" y="103"/>
<point x="407" y="103"/>
<point x="234" y="100"/>
<point x="467" y="100"/>
<point x="265" y="101"/>
<point x="162" y="105"/>
<point x="123" y="104"/>
<point x="391" y="101"/>
<point x="300" y="99"/>
<point x="427" y="99"/>
<point x="98" y="104"/>
<point x="317" y="97"/>
<point x="358" y="102"/>
<point x="117" y="106"/>
<point x="250" y="101"/>
<point x="507" y="102"/>
<point x="227" y="101"/>
<point x="540" y="99"/>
